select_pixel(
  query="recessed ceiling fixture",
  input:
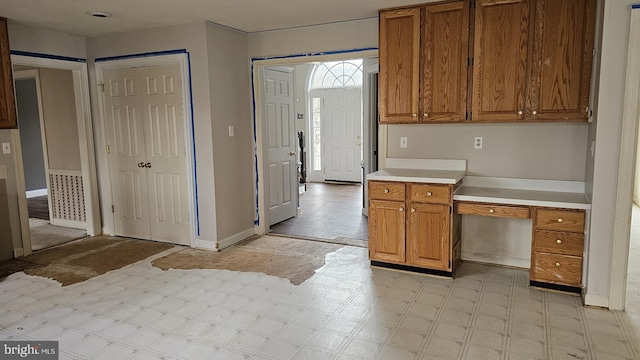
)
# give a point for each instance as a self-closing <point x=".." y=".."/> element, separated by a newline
<point x="99" y="14"/>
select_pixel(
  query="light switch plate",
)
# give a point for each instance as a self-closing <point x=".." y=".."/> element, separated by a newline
<point x="230" y="131"/>
<point x="403" y="142"/>
<point x="6" y="148"/>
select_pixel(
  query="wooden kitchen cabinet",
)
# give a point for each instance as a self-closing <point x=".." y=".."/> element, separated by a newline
<point x="423" y="63"/>
<point x="415" y="233"/>
<point x="8" y="116"/>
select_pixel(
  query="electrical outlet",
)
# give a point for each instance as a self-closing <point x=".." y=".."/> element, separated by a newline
<point x="403" y="141"/>
<point x="6" y="148"/>
<point x="477" y="142"/>
<point x="230" y="131"/>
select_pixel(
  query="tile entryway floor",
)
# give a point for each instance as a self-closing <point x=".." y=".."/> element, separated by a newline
<point x="346" y="311"/>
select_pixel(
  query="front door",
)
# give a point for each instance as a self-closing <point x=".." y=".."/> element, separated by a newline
<point x="342" y="131"/>
<point x="281" y="179"/>
<point x="144" y="123"/>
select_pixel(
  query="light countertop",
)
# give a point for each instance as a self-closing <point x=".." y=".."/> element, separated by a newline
<point x="557" y="199"/>
<point x="418" y="175"/>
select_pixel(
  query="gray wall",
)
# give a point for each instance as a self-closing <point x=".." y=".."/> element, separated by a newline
<point x="30" y="134"/>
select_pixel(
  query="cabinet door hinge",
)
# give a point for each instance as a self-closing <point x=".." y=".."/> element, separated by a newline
<point x="113" y="209"/>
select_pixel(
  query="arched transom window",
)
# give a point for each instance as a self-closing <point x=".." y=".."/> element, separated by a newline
<point x="335" y="74"/>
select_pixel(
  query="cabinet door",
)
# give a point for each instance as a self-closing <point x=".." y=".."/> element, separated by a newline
<point x="500" y="60"/>
<point x="8" y="117"/>
<point x="386" y="231"/>
<point x="428" y="236"/>
<point x="562" y="54"/>
<point x="399" y="61"/>
<point x="445" y="48"/>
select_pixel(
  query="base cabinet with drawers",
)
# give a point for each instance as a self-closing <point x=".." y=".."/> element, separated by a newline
<point x="557" y="248"/>
<point x="412" y="226"/>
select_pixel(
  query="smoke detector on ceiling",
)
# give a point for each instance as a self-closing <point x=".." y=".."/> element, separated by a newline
<point x="99" y="14"/>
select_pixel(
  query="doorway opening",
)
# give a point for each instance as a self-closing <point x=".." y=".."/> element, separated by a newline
<point x="332" y="120"/>
<point x="50" y="155"/>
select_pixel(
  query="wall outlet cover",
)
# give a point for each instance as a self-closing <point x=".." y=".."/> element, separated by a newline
<point x="6" y="148"/>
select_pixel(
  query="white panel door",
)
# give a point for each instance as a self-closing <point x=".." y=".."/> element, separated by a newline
<point x="281" y="180"/>
<point x="125" y="132"/>
<point x="145" y="132"/>
<point x="342" y="132"/>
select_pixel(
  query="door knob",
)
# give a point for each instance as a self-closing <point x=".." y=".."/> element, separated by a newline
<point x="147" y="165"/>
<point x="292" y="153"/>
<point x="141" y="164"/>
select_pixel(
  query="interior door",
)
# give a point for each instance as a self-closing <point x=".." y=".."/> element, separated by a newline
<point x="342" y="131"/>
<point x="144" y="122"/>
<point x="281" y="180"/>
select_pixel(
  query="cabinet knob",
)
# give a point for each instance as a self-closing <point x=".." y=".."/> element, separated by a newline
<point x="415" y="115"/>
<point x="386" y="191"/>
<point x="429" y="193"/>
<point x="401" y="209"/>
<point x="425" y="115"/>
<point x="558" y="241"/>
<point x="557" y="264"/>
<point x="534" y="112"/>
<point x="560" y="220"/>
<point x="413" y="210"/>
<point x="490" y="211"/>
<point x="519" y="112"/>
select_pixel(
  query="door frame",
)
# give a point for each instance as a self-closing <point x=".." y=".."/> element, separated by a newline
<point x="256" y="66"/>
<point x="35" y="75"/>
<point x="182" y="61"/>
<point x="369" y="120"/>
<point x="78" y="68"/>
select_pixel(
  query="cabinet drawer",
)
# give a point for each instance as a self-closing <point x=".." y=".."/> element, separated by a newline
<point x="557" y="269"/>
<point x="558" y="242"/>
<point x="386" y="190"/>
<point x="559" y="220"/>
<point x="505" y="211"/>
<point x="428" y="193"/>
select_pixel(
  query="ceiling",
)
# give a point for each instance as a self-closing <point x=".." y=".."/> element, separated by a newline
<point x="70" y="16"/>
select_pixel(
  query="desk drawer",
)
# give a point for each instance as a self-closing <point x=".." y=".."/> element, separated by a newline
<point x="430" y="193"/>
<point x="559" y="220"/>
<point x="505" y="211"/>
<point x="558" y="242"/>
<point x="557" y="269"/>
<point x="386" y="190"/>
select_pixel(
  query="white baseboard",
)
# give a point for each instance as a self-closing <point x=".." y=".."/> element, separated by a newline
<point x="19" y="252"/>
<point x="233" y="239"/>
<point x="596" y="300"/>
<point x="69" y="223"/>
<point x="206" y="244"/>
<point x="496" y="260"/>
<point x="36" y="193"/>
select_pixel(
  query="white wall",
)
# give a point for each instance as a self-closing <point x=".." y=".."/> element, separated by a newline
<point x="24" y="38"/>
<point x="602" y="169"/>
<point x="191" y="37"/>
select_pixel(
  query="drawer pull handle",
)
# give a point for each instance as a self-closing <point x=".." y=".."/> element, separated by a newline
<point x="558" y="241"/>
<point x="401" y="209"/>
<point x="560" y="220"/>
<point x="386" y="191"/>
<point x="490" y="211"/>
<point x="413" y="210"/>
<point x="557" y="264"/>
<point x="415" y="115"/>
<point x="429" y="193"/>
<point x="519" y="112"/>
<point x="425" y="115"/>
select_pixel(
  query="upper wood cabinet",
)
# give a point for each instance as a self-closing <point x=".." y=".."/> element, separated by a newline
<point x="423" y="63"/>
<point x="8" y="117"/>
<point x="500" y="51"/>
<point x="487" y="61"/>
<point x="399" y="63"/>
<point x="561" y="60"/>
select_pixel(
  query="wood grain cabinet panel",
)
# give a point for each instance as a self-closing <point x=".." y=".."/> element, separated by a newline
<point x="444" y="57"/>
<point x="562" y="60"/>
<point x="504" y="211"/>
<point x="501" y="55"/>
<point x="386" y="190"/>
<point x="560" y="220"/>
<point x="558" y="242"/>
<point x="428" y="240"/>
<point x="387" y="231"/>
<point x="8" y="115"/>
<point x="430" y="193"/>
<point x="399" y="57"/>
<point x="557" y="269"/>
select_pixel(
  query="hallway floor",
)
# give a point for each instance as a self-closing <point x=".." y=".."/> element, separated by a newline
<point x="327" y="211"/>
